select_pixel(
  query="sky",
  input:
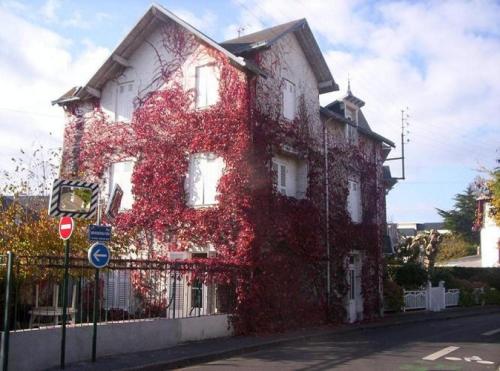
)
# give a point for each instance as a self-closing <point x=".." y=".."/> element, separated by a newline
<point x="437" y="60"/>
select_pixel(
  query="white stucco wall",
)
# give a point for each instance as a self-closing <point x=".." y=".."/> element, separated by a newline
<point x="145" y="66"/>
<point x="43" y="345"/>
<point x="490" y="236"/>
<point x="286" y="60"/>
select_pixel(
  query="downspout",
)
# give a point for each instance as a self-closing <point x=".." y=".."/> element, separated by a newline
<point x="327" y="216"/>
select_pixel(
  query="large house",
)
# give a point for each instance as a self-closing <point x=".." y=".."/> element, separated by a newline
<point x="223" y="151"/>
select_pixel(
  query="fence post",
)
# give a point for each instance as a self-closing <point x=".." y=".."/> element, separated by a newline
<point x="173" y="292"/>
<point x="6" y="318"/>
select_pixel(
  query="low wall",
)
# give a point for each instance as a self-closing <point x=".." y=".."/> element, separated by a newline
<point x="39" y="349"/>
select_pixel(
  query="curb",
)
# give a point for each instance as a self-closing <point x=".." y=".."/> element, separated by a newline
<point x="213" y="356"/>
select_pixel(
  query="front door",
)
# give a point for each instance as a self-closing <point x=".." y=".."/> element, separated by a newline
<point x="355" y="300"/>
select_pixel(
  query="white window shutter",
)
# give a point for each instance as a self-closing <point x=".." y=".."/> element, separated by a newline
<point x="125" y="101"/>
<point x="121" y="174"/>
<point x="201" y="86"/>
<point x="212" y="86"/>
<point x="288" y="100"/>
<point x="212" y="172"/>
<point x="194" y="180"/>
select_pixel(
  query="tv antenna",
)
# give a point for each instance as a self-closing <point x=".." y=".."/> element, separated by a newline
<point x="404" y="140"/>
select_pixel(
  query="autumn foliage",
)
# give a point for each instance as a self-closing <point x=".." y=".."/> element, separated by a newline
<point x="277" y="241"/>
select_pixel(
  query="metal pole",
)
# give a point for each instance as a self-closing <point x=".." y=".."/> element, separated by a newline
<point x="173" y="292"/>
<point x="403" y="143"/>
<point x="65" y="301"/>
<point x="94" y="332"/>
<point x="327" y="219"/>
<point x="96" y="290"/>
<point x="6" y="316"/>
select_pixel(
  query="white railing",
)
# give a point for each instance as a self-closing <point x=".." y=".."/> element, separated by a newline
<point x="451" y="297"/>
<point x="416" y="299"/>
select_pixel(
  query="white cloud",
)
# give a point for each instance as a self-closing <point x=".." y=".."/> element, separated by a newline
<point x="206" y="23"/>
<point x="49" y="10"/>
<point x="36" y="67"/>
<point x="439" y="58"/>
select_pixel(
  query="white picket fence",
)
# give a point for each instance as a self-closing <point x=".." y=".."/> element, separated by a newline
<point x="451" y="297"/>
<point x="431" y="298"/>
<point x="415" y="299"/>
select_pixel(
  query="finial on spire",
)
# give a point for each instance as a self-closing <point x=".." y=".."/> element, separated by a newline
<point x="349" y="85"/>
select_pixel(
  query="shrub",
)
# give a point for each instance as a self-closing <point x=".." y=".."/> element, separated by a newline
<point x="491" y="297"/>
<point x="410" y="276"/>
<point x="453" y="247"/>
<point x="393" y="296"/>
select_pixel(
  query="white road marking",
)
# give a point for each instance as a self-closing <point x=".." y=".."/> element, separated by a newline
<point x="439" y="354"/>
<point x="485" y="362"/>
<point x="492" y="332"/>
<point x="65" y="226"/>
<point x="453" y="358"/>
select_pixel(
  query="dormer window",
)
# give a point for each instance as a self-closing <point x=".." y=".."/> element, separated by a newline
<point x="351" y="114"/>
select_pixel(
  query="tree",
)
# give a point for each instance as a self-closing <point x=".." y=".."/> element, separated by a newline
<point x="461" y="218"/>
<point x="494" y="188"/>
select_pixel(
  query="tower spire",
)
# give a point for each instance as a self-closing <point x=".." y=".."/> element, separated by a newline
<point x="349" y="92"/>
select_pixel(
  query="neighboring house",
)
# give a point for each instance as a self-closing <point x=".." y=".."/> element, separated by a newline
<point x="490" y="234"/>
<point x="223" y="150"/>
<point x="410" y="229"/>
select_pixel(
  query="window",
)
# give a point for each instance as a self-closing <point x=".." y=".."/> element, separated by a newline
<point x="288" y="100"/>
<point x="207" y="86"/>
<point x="197" y="294"/>
<point x="351" y="134"/>
<point x="118" y="289"/>
<point x="280" y="173"/>
<point x="125" y="101"/>
<point x="205" y="170"/>
<point x="290" y="176"/>
<point x="351" y="113"/>
<point x="354" y="201"/>
<point x="121" y="174"/>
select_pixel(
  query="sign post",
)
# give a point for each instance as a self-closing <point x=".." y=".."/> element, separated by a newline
<point x="70" y="199"/>
<point x="66" y="226"/>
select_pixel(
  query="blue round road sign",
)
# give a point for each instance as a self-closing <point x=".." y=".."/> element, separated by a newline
<point x="99" y="255"/>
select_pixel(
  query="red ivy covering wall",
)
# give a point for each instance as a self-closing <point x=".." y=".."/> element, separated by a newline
<point x="277" y="241"/>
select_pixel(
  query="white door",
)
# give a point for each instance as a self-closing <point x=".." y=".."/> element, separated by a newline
<point x="355" y="300"/>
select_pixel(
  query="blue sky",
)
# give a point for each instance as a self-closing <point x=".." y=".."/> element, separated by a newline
<point x="429" y="56"/>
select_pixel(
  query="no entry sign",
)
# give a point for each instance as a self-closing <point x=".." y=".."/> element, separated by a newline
<point x="66" y="226"/>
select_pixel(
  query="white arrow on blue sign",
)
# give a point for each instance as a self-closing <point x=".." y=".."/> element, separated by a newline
<point x="99" y="255"/>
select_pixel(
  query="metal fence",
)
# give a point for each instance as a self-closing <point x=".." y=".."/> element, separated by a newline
<point x="128" y="290"/>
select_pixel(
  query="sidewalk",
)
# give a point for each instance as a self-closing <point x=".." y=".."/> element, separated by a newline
<point x="210" y="350"/>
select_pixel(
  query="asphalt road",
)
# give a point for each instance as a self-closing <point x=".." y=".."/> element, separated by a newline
<point x="470" y="343"/>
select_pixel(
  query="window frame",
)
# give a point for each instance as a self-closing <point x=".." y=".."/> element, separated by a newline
<point x="130" y="84"/>
<point x="355" y="211"/>
<point x="206" y="104"/>
<point x="293" y="103"/>
<point x="202" y="157"/>
<point x="111" y="181"/>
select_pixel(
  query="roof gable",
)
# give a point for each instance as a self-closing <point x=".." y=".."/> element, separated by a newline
<point x="300" y="28"/>
<point x="117" y="61"/>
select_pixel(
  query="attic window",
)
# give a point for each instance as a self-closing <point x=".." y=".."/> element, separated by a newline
<point x="351" y="113"/>
<point x="125" y="101"/>
<point x="289" y="104"/>
<point x="207" y="86"/>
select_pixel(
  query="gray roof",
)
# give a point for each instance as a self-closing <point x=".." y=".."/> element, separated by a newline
<point x="300" y="28"/>
<point x="335" y="110"/>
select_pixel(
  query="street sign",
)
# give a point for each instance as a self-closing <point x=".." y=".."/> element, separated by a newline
<point x="114" y="203"/>
<point x="73" y="198"/>
<point x="99" y="232"/>
<point x="66" y="226"/>
<point x="99" y="255"/>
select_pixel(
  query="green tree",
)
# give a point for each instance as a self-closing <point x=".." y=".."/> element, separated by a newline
<point x="460" y="219"/>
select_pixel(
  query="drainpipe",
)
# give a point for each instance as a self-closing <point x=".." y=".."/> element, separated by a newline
<point x="327" y="215"/>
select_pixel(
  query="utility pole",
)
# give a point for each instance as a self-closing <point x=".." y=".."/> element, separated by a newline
<point x="404" y="132"/>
